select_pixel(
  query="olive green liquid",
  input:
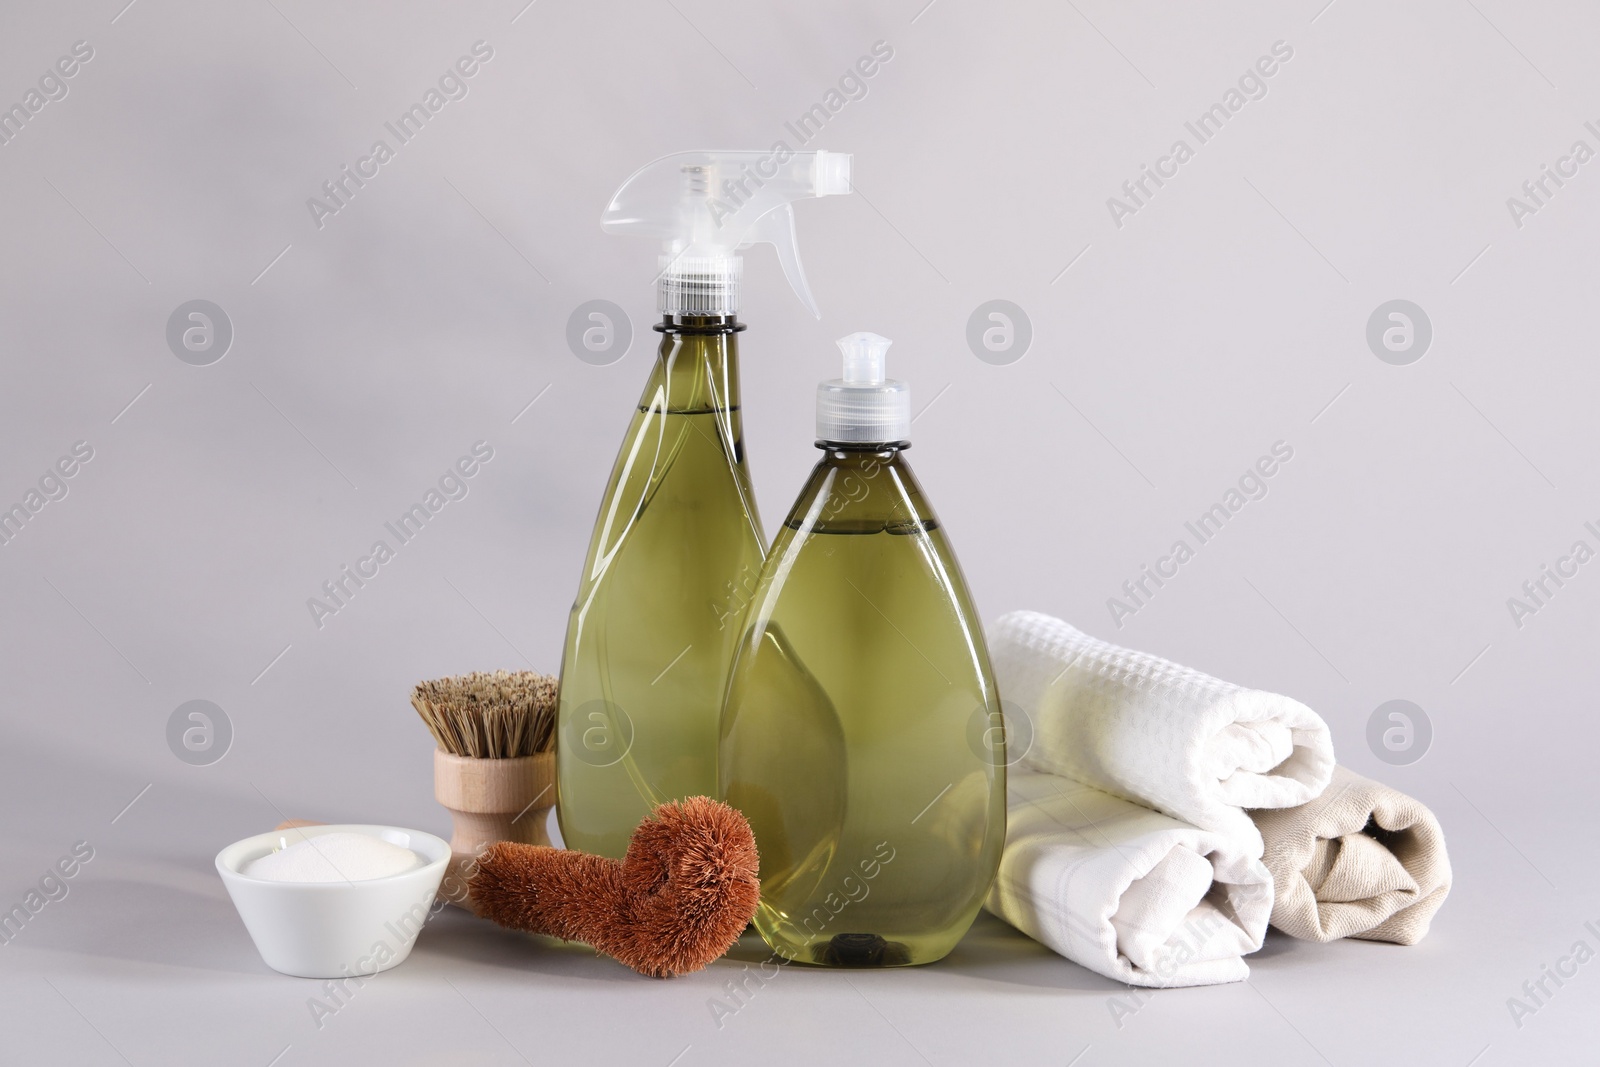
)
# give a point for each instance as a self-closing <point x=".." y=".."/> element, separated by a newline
<point x="676" y="551"/>
<point x="860" y="734"/>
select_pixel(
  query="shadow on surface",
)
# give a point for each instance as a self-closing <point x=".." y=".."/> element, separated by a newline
<point x="991" y="952"/>
<point x="148" y="922"/>
<point x="457" y="937"/>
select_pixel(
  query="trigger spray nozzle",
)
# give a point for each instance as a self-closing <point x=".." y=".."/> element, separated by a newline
<point x="704" y="207"/>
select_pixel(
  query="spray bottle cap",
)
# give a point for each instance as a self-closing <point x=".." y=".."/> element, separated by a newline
<point x="863" y="406"/>
<point x="705" y="206"/>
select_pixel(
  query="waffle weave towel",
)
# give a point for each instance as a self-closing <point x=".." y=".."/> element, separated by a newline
<point x="1143" y="728"/>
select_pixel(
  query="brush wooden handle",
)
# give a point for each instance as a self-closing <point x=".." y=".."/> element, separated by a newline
<point x="493" y="800"/>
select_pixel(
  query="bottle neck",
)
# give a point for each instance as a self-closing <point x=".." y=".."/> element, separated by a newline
<point x="697" y="369"/>
<point x="860" y="489"/>
<point x="693" y="324"/>
<point x="861" y="453"/>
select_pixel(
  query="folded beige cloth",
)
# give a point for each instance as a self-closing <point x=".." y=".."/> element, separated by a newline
<point x="1362" y="860"/>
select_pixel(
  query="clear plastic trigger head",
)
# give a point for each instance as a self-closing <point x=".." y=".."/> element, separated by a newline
<point x="777" y="228"/>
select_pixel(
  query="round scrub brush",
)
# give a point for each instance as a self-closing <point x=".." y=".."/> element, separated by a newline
<point x="495" y="766"/>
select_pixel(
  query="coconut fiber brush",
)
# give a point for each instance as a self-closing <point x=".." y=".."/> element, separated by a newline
<point x="677" y="900"/>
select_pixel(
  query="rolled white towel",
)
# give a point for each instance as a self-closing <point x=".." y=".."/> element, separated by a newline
<point x="1144" y="728"/>
<point x="1125" y="891"/>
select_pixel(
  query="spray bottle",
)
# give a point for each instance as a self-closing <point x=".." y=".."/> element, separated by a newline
<point x="862" y="734"/>
<point x="678" y="544"/>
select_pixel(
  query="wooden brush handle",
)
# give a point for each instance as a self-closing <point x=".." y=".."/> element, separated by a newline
<point x="493" y="800"/>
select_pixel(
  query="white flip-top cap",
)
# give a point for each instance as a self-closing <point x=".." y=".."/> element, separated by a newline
<point x="864" y="406"/>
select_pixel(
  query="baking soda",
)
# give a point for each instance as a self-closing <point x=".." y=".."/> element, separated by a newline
<point x="335" y="857"/>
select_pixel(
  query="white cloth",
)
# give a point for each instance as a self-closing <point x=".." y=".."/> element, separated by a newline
<point x="1146" y="729"/>
<point x="1125" y="891"/>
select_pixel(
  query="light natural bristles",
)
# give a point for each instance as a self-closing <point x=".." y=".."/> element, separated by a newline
<point x="501" y="715"/>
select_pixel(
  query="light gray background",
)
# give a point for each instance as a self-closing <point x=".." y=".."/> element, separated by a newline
<point x="1228" y="314"/>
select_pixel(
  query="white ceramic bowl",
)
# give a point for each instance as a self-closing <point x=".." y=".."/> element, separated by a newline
<point x="334" y="929"/>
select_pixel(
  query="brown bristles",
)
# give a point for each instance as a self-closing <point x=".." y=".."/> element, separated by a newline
<point x="501" y="715"/>
<point x="681" y="896"/>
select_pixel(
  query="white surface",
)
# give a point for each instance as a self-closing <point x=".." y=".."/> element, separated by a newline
<point x="1229" y="312"/>
<point x="146" y="953"/>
